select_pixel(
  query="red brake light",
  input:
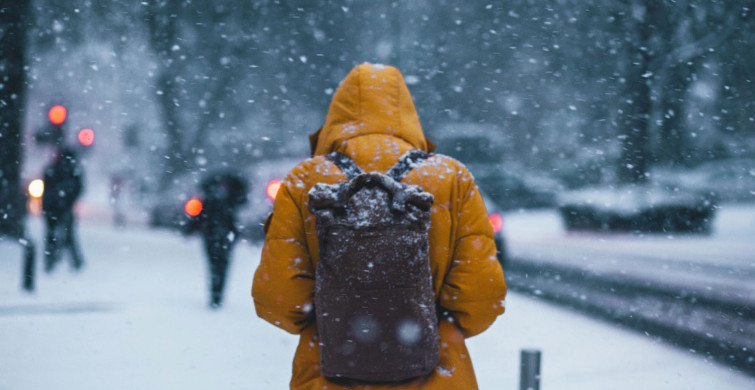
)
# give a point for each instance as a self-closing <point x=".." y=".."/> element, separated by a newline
<point x="193" y="207"/>
<point x="496" y="220"/>
<point x="272" y="188"/>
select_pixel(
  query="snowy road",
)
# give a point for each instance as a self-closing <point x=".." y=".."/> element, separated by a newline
<point x="136" y="317"/>
<point x="696" y="291"/>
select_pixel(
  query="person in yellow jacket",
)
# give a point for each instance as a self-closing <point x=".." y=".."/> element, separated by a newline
<point x="372" y="119"/>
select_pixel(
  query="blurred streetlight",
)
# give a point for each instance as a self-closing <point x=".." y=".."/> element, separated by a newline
<point x="36" y="188"/>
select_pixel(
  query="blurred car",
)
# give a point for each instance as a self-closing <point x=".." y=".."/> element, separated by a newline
<point x="480" y="148"/>
<point x="728" y="180"/>
<point x="522" y="189"/>
<point x="167" y="209"/>
<point x="643" y="208"/>
<point x="265" y="179"/>
<point x="495" y="216"/>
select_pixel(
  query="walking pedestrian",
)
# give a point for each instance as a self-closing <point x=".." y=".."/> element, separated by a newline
<point x="222" y="194"/>
<point x="372" y="121"/>
<point x="63" y="180"/>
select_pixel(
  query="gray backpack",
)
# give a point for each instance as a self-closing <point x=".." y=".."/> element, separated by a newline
<point x="374" y="298"/>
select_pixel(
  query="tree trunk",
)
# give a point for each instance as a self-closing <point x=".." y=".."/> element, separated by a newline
<point x="638" y="105"/>
<point x="673" y="144"/>
<point x="13" y="18"/>
<point x="174" y="156"/>
<point x="161" y="22"/>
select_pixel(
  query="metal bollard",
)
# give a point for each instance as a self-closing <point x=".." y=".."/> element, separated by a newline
<point x="27" y="275"/>
<point x="530" y="370"/>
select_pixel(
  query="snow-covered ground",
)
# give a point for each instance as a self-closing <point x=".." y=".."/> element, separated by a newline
<point x="136" y="318"/>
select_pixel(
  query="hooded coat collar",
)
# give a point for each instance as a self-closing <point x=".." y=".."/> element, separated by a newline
<point x="372" y="99"/>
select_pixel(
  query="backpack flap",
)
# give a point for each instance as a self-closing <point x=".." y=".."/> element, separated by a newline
<point x="406" y="202"/>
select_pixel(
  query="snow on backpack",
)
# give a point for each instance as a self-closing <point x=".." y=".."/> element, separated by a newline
<point x="373" y="287"/>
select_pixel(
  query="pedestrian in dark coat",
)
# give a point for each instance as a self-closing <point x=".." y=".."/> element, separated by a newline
<point x="63" y="179"/>
<point x="222" y="195"/>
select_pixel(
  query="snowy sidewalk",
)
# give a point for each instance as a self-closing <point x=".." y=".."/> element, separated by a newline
<point x="136" y="318"/>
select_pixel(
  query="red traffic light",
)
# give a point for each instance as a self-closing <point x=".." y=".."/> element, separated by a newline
<point x="193" y="207"/>
<point x="86" y="137"/>
<point x="57" y="114"/>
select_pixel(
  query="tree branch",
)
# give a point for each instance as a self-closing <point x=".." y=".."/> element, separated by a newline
<point x="692" y="50"/>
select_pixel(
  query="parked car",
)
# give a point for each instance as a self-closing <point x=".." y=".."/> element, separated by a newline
<point x="728" y="180"/>
<point x="527" y="189"/>
<point x="495" y="216"/>
<point x="167" y="210"/>
<point x="642" y="208"/>
<point x="265" y="181"/>
<point x="479" y="147"/>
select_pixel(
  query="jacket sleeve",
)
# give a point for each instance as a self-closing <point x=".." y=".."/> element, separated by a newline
<point x="283" y="286"/>
<point x="474" y="289"/>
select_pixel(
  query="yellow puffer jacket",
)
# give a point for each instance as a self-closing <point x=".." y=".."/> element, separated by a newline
<point x="372" y="119"/>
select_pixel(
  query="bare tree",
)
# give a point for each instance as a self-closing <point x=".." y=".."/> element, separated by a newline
<point x="667" y="44"/>
<point x="162" y="21"/>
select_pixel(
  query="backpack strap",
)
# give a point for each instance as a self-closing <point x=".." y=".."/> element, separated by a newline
<point x="406" y="163"/>
<point x="345" y="164"/>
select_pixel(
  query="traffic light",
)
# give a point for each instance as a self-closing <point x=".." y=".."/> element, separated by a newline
<point x="52" y="132"/>
<point x="86" y="137"/>
<point x="57" y="114"/>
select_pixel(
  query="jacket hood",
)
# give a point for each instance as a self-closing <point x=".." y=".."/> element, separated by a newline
<point x="372" y="99"/>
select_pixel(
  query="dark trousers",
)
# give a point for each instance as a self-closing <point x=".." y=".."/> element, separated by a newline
<point x="218" y="249"/>
<point x="61" y="236"/>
